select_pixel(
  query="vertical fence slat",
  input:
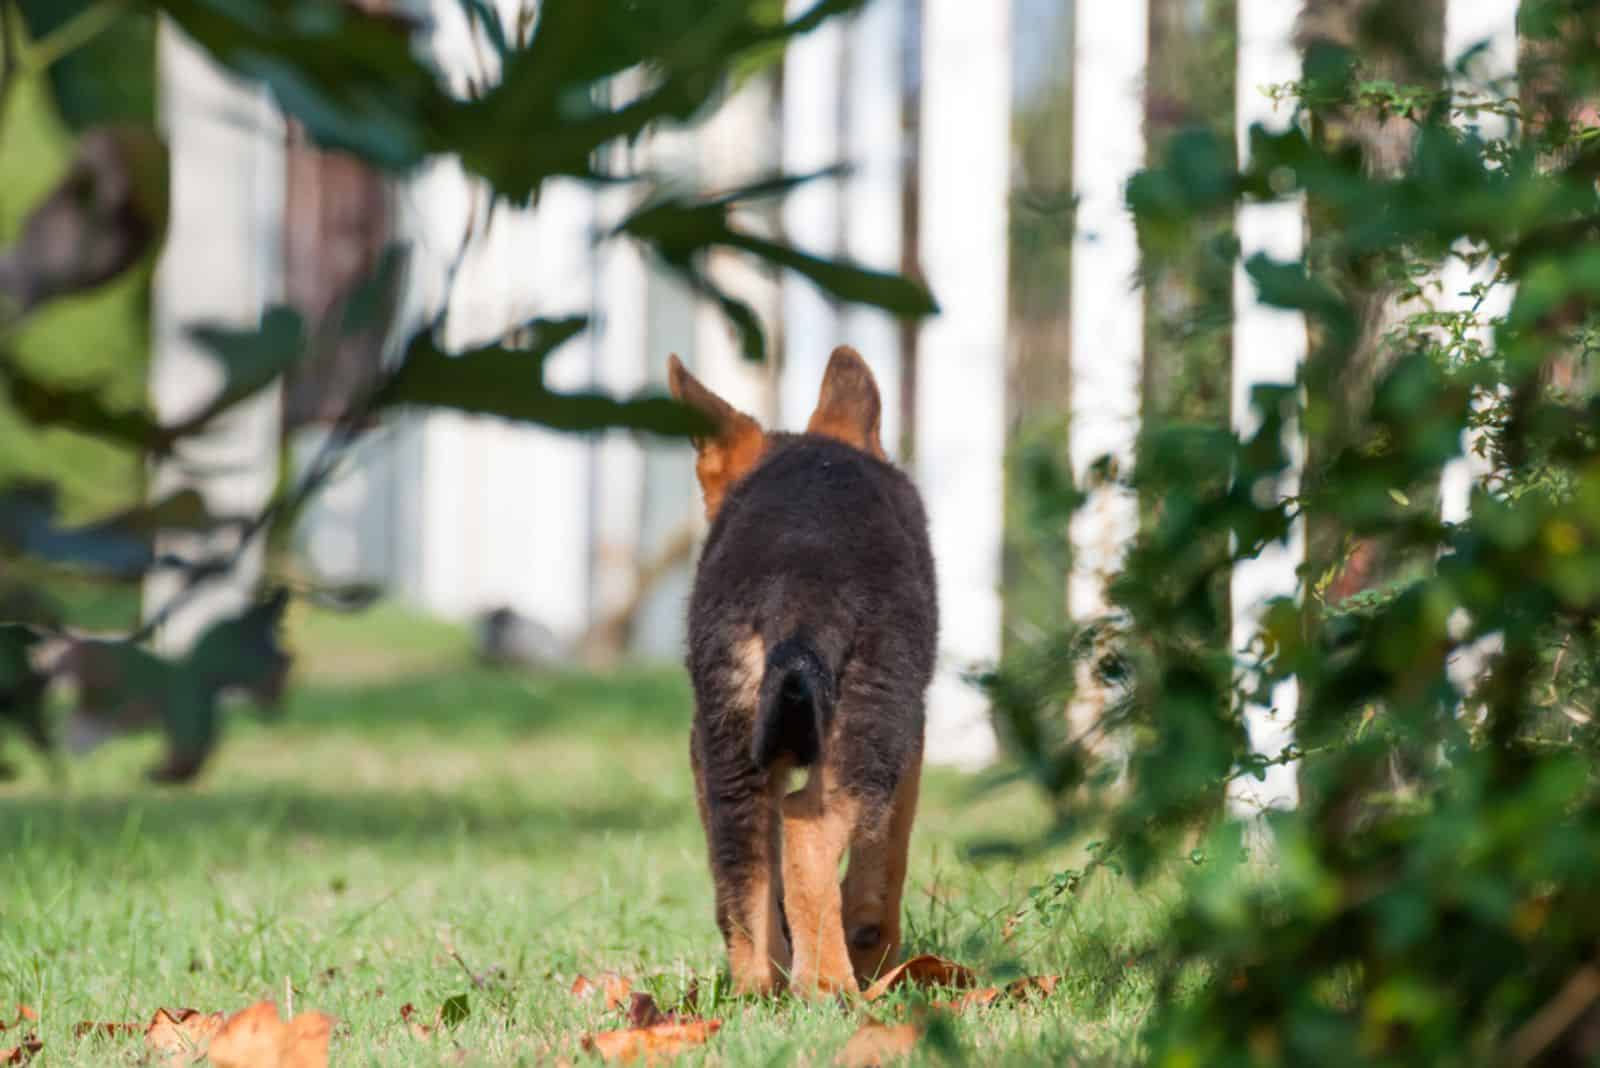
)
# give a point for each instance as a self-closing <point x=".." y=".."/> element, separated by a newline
<point x="222" y="263"/>
<point x="733" y="150"/>
<point x="1467" y="24"/>
<point x="1110" y="47"/>
<point x="874" y="138"/>
<point x="1269" y="345"/>
<point x="505" y="512"/>
<point x="813" y="74"/>
<point x="960" y="420"/>
<point x="621" y="342"/>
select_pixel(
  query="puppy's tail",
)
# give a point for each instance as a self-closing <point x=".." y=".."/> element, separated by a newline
<point x="796" y="705"/>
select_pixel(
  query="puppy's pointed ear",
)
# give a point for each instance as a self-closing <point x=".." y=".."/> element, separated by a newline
<point x="732" y="448"/>
<point x="848" y="408"/>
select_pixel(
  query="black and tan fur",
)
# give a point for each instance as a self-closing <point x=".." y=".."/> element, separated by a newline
<point x="812" y="630"/>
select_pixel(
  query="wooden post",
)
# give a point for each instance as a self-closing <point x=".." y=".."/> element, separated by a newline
<point x="960" y="420"/>
<point x="222" y="264"/>
<point x="1269" y="346"/>
<point x="1110" y="47"/>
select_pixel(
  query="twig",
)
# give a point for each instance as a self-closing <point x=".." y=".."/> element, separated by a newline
<point x="1551" y="1022"/>
<point x="71" y="35"/>
<point x="345" y="431"/>
<point x="455" y="956"/>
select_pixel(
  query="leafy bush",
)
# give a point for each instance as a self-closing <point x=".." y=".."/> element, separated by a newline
<point x="1430" y="901"/>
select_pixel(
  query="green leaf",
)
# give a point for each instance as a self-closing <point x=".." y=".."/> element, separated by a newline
<point x="123" y="687"/>
<point x="680" y="230"/>
<point x="22" y="687"/>
<point x="351" y="77"/>
<point x="28" y="526"/>
<point x="454" y="1011"/>
<point x="78" y="408"/>
<point x="120" y="546"/>
<point x="244" y="653"/>
<point x="506" y="382"/>
<point x="251" y="359"/>
<point x="101" y="58"/>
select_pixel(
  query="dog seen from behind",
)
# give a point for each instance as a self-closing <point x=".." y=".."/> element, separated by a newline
<point x="812" y="630"/>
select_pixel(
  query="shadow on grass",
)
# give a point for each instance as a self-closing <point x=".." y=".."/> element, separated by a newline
<point x="652" y="701"/>
<point x="410" y="820"/>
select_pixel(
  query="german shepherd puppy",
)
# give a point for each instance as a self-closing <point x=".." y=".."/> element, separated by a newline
<point x="812" y="630"/>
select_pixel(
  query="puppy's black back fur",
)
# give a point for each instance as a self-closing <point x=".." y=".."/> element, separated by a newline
<point x="822" y="553"/>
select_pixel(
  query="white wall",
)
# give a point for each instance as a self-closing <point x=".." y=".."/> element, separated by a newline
<point x="964" y="183"/>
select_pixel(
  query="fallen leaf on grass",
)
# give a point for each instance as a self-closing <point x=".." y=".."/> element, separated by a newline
<point x="644" y="1012"/>
<point x="27" y="1012"/>
<point x="1033" y="986"/>
<point x="875" y="1043"/>
<point x="926" y="970"/>
<point x="419" y="1030"/>
<point x="454" y="1010"/>
<point x="251" y="1038"/>
<point x="111" y="1030"/>
<point x="451" y="1013"/>
<point x="180" y="1034"/>
<point x="657" y="1041"/>
<point x="305" y="1043"/>
<point x="257" y="1037"/>
<point x="23" y="1052"/>
<point x="615" y="987"/>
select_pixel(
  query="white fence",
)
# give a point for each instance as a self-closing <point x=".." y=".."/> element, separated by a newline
<point x="474" y="514"/>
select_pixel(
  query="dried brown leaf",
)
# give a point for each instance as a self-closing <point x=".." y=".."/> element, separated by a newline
<point x="644" y="1012"/>
<point x="616" y="988"/>
<point x="110" y="1030"/>
<point x="257" y="1037"/>
<point x="181" y="1034"/>
<point x="418" y="1029"/>
<point x="875" y="1043"/>
<point x="1031" y="986"/>
<point x="251" y="1038"/>
<point x="27" y="1012"/>
<point x="972" y="999"/>
<point x="926" y="970"/>
<point x="661" y="1041"/>
<point x="23" y="1052"/>
<point x="306" y="1039"/>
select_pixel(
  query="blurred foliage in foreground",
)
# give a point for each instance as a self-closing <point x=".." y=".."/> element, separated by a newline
<point x="578" y="77"/>
<point x="1431" y="901"/>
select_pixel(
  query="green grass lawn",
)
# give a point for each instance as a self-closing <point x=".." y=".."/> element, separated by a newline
<point x="415" y="828"/>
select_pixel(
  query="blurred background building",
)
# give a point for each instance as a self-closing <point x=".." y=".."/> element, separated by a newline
<point x="989" y="145"/>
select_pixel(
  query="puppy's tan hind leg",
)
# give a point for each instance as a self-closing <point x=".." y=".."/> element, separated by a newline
<point x="875" y="883"/>
<point x="816" y="832"/>
<point x="758" y="953"/>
